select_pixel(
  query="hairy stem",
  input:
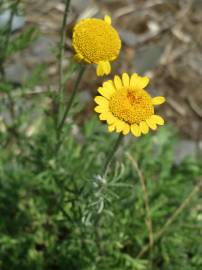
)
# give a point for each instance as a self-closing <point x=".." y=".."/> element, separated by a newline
<point x="61" y="56"/>
<point x="73" y="94"/>
<point x="82" y="69"/>
<point x="111" y="153"/>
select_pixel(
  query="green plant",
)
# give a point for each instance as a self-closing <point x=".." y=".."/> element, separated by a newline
<point x="58" y="210"/>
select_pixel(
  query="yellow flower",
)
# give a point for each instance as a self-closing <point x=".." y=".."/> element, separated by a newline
<point x="126" y="106"/>
<point x="96" y="41"/>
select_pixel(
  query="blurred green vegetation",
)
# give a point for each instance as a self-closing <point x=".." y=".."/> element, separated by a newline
<point x="58" y="212"/>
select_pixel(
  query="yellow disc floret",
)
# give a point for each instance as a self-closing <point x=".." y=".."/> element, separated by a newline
<point x="96" y="41"/>
<point x="131" y="106"/>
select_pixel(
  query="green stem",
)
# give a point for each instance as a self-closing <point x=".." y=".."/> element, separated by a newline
<point x="61" y="56"/>
<point x="13" y="12"/>
<point x="73" y="94"/>
<point x="82" y="69"/>
<point x="8" y="36"/>
<point x="5" y="52"/>
<point x="98" y="231"/>
<point x="111" y="153"/>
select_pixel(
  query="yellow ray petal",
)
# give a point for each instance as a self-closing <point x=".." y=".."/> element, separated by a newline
<point x="141" y="82"/>
<point x="78" y="57"/>
<point x="144" y="127"/>
<point x="133" y="79"/>
<point x="158" y="100"/>
<point x="119" y="125"/>
<point x="111" y="128"/>
<point x="126" y="129"/>
<point x="103" y="68"/>
<point x="103" y="117"/>
<point x="101" y="109"/>
<point x="135" y="129"/>
<point x="108" y="19"/>
<point x="107" y="116"/>
<point x="117" y="82"/>
<point x="157" y="119"/>
<point x="151" y="124"/>
<point x="104" y="92"/>
<point x="107" y="67"/>
<point x="101" y="100"/>
<point x="110" y="118"/>
<point x="108" y="85"/>
<point x="99" y="70"/>
<point x="125" y="79"/>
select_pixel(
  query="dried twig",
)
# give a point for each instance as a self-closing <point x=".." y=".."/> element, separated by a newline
<point x="133" y="8"/>
<point x="146" y="199"/>
<point x="174" y="216"/>
<point x="195" y="107"/>
<point x="176" y="106"/>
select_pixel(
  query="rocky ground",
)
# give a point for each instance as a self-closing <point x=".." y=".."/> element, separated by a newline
<point x="161" y="38"/>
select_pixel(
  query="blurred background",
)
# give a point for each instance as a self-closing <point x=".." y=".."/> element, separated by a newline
<point x="161" y="38"/>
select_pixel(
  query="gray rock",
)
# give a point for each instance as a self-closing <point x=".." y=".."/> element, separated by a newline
<point x="148" y="57"/>
<point x="197" y="4"/>
<point x="194" y="59"/>
<point x="81" y="5"/>
<point x="16" y="72"/>
<point x="183" y="149"/>
<point x="42" y="49"/>
<point x="129" y="38"/>
<point x="17" y="23"/>
<point x="85" y="97"/>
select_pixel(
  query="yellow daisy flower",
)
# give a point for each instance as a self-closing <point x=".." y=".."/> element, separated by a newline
<point x="126" y="106"/>
<point x="96" y="41"/>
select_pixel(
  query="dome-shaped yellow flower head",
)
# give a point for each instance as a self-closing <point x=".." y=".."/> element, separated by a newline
<point x="126" y="106"/>
<point x="96" y="41"/>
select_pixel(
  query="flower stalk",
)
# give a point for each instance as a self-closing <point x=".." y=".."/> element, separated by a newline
<point x="73" y="94"/>
<point x="111" y="153"/>
<point x="61" y="56"/>
<point x="81" y="71"/>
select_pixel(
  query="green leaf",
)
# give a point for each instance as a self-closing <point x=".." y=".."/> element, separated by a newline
<point x="22" y="40"/>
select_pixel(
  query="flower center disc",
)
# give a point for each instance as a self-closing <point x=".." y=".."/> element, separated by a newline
<point x="131" y="106"/>
<point x="96" y="40"/>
